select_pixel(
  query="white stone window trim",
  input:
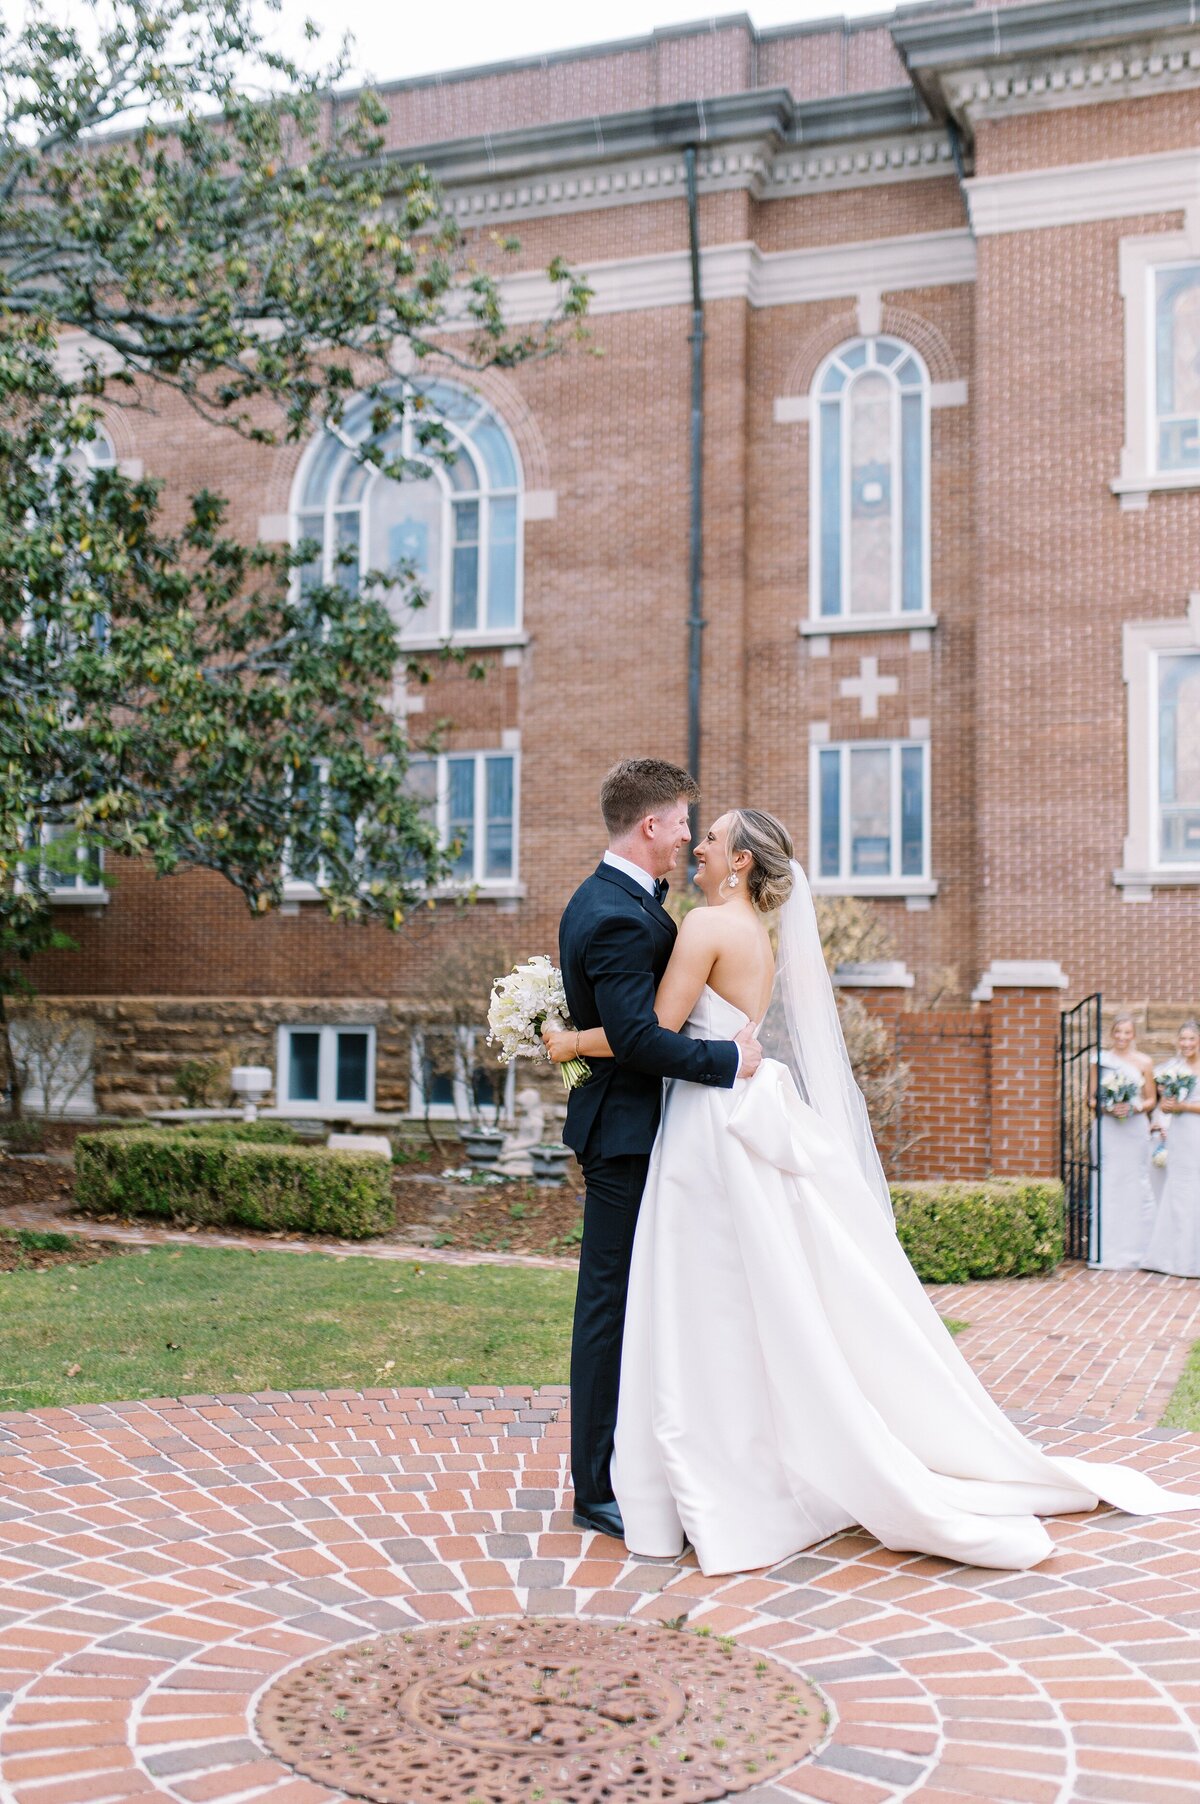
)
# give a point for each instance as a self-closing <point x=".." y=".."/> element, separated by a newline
<point x="462" y="1108"/>
<point x="827" y="624"/>
<point x="847" y="884"/>
<point x="415" y="633"/>
<point x="66" y="894"/>
<point x="1139" y="259"/>
<point x="918" y="618"/>
<point x="1144" y="642"/>
<point x="327" y="1104"/>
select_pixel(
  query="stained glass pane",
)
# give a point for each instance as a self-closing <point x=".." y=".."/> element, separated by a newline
<point x="912" y="811"/>
<point x="405" y="536"/>
<point x="1177" y="366"/>
<point x="831" y="508"/>
<point x="492" y="443"/>
<point x="451" y="403"/>
<point x="328" y="454"/>
<point x="353" y="1067"/>
<point x="347" y="528"/>
<point x="871" y="811"/>
<point x="463" y="474"/>
<point x="304" y="1065"/>
<point x="1179" y="759"/>
<point x="461" y="823"/>
<point x="831" y="813"/>
<point x="502" y="564"/>
<point x="311" y="526"/>
<point x="912" y="505"/>
<point x="498" y="858"/>
<point x="870" y="404"/>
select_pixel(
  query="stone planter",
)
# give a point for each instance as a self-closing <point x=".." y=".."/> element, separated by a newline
<point x="550" y="1162"/>
<point x="482" y="1146"/>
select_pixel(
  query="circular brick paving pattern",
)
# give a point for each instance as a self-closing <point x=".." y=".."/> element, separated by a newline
<point x="548" y="1708"/>
<point x="163" y="1563"/>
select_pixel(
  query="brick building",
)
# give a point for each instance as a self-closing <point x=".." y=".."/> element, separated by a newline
<point x="950" y="278"/>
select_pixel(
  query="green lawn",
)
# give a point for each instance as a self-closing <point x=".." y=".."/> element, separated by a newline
<point x="166" y="1322"/>
<point x="1183" y="1411"/>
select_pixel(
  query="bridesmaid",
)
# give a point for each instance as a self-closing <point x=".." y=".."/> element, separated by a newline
<point x="1175" y="1242"/>
<point x="1126" y="1213"/>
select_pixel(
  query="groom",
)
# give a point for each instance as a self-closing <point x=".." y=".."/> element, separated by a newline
<point x="614" y="941"/>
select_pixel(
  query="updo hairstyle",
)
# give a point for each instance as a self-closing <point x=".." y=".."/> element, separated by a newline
<point x="769" y="844"/>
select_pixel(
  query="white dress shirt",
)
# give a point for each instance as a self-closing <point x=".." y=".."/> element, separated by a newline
<point x="647" y="882"/>
<point x="631" y="870"/>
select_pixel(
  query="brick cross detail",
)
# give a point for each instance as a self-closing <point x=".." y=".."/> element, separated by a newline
<point x="868" y="686"/>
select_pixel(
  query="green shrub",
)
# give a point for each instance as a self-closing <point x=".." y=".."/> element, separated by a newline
<point x="220" y="1182"/>
<point x="273" y="1133"/>
<point x="997" y="1228"/>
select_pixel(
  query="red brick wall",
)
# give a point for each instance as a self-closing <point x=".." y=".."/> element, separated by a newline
<point x="948" y="1110"/>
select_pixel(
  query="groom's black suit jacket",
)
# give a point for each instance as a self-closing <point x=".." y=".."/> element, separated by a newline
<point x="614" y="942"/>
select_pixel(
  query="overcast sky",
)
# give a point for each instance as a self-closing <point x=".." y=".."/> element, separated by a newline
<point x="409" y="39"/>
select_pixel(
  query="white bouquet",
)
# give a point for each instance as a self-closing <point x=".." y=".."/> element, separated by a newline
<point x="529" y="998"/>
<point x="1116" y="1088"/>
<point x="1175" y="1082"/>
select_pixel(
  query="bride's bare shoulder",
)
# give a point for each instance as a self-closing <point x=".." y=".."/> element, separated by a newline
<point x="720" y="927"/>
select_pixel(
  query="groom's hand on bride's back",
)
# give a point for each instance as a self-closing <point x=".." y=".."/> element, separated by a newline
<point x="749" y="1051"/>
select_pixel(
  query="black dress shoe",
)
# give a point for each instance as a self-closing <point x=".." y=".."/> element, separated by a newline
<point x="604" y="1518"/>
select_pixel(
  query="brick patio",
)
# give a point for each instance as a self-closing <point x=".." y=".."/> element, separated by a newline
<point x="163" y="1561"/>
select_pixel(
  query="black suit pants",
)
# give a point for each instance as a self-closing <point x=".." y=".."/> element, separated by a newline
<point x="610" y="1212"/>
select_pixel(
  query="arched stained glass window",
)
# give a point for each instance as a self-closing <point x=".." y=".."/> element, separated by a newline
<point x="870" y="502"/>
<point x="454" y="525"/>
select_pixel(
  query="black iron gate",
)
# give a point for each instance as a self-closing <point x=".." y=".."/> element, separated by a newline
<point x="1079" y="1145"/>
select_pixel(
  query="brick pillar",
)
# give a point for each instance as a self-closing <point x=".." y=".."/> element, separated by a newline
<point x="882" y="988"/>
<point x="1023" y="998"/>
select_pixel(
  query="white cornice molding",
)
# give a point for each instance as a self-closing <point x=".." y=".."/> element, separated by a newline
<point x="1079" y="193"/>
<point x="1077" y="77"/>
<point x="754" y="166"/>
<point x="763" y="278"/>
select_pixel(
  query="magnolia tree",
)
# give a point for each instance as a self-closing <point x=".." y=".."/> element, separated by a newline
<point x="182" y="209"/>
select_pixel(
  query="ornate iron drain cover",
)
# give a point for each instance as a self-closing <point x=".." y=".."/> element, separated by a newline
<point x="564" y="1712"/>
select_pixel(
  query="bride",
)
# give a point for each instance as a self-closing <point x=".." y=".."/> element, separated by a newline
<point x="784" y="1375"/>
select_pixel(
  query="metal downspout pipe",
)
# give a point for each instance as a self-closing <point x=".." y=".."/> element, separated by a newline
<point x="696" y="621"/>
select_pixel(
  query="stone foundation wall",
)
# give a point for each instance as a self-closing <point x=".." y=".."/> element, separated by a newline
<point x="141" y="1042"/>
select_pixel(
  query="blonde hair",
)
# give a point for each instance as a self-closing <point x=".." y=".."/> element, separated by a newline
<point x="769" y="844"/>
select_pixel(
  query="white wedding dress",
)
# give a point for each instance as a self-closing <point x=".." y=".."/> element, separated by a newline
<point x="784" y="1374"/>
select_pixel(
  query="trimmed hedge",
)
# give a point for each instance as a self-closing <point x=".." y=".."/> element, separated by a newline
<point x="997" y="1228"/>
<point x="273" y="1133"/>
<point x="217" y="1182"/>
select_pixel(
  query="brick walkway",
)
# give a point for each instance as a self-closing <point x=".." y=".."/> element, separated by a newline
<point x="161" y="1562"/>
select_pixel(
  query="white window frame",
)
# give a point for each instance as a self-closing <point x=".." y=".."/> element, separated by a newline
<point x="846" y="883"/>
<point x="68" y="892"/>
<point x="895" y="617"/>
<point x="462" y="1108"/>
<point x="429" y="627"/>
<point x="327" y="1105"/>
<point x="1139" y="260"/>
<point x="440" y="760"/>
<point x="1144" y="643"/>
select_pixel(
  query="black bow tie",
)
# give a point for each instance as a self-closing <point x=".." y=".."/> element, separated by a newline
<point x="660" y="890"/>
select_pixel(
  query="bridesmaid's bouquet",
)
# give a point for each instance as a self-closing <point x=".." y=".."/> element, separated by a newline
<point x="1175" y="1084"/>
<point x="529" y="998"/>
<point x="1115" y="1088"/>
